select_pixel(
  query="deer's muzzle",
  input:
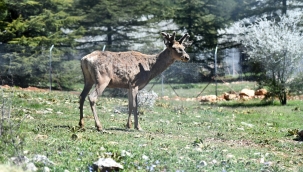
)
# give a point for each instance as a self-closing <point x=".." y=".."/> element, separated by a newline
<point x="185" y="58"/>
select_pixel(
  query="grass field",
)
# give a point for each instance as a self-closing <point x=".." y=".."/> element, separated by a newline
<point x="178" y="135"/>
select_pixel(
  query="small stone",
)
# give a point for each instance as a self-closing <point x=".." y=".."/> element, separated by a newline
<point x="214" y="161"/>
<point x="46" y="169"/>
<point x="31" y="167"/>
<point x="203" y="163"/>
<point x="145" y="157"/>
<point x="125" y="153"/>
<point x="43" y="159"/>
<point x="230" y="156"/>
<point x="107" y="164"/>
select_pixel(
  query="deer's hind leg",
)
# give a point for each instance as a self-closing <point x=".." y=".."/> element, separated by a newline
<point x="101" y="84"/>
<point x="83" y="95"/>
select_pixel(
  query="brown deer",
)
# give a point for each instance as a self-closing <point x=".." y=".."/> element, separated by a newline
<point x="131" y="70"/>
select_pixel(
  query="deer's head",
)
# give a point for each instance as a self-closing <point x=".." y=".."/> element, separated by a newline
<point x="177" y="48"/>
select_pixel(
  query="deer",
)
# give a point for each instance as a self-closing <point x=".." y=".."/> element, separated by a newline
<point x="130" y="70"/>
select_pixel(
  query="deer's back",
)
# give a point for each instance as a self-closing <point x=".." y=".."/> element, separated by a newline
<point x="122" y="67"/>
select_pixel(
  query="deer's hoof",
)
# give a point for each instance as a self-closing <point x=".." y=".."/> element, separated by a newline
<point x="139" y="128"/>
<point x="128" y="126"/>
<point x="81" y="125"/>
<point x="99" y="129"/>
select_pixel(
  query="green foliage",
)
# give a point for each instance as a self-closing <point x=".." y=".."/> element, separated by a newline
<point x="117" y="21"/>
<point x="274" y="8"/>
<point x="275" y="89"/>
<point x="11" y="138"/>
<point x="30" y="28"/>
<point x="34" y="25"/>
<point x="296" y="86"/>
<point x="67" y="74"/>
<point x="202" y="19"/>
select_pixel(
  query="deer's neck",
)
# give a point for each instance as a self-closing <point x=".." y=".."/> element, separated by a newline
<point x="163" y="61"/>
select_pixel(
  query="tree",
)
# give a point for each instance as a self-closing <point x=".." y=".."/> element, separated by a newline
<point x="258" y="8"/>
<point x="201" y="19"/>
<point x="276" y="45"/>
<point x="28" y="29"/>
<point x="117" y="23"/>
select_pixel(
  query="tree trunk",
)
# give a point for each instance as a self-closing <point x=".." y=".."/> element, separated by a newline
<point x="109" y="36"/>
<point x="283" y="98"/>
<point x="284" y="7"/>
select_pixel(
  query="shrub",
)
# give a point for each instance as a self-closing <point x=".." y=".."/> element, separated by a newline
<point x="147" y="98"/>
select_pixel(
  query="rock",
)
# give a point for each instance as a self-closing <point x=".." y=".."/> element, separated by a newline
<point x="29" y="117"/>
<point x="247" y="92"/>
<point x="46" y="169"/>
<point x="209" y="98"/>
<point x="145" y="157"/>
<point x="19" y="160"/>
<point x="125" y="153"/>
<point x="228" y="96"/>
<point x="261" y="92"/>
<point x="117" y="111"/>
<point x="107" y="164"/>
<point x="245" y="98"/>
<point x="203" y="163"/>
<point x="259" y="96"/>
<point x="31" y="167"/>
<point x="43" y="159"/>
<point x="229" y="156"/>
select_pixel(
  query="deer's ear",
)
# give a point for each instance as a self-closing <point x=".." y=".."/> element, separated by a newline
<point x="164" y="34"/>
<point x="187" y="43"/>
<point x="184" y="41"/>
<point x="166" y="38"/>
<point x="184" y="38"/>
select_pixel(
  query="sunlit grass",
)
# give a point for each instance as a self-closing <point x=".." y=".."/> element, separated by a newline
<point x="178" y="135"/>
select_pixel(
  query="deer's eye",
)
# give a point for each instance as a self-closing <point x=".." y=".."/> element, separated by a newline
<point x="177" y="49"/>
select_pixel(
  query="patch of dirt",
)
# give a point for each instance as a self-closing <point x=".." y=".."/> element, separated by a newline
<point x="176" y="98"/>
<point x="30" y="88"/>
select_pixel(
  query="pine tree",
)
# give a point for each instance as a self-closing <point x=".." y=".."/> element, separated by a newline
<point x="28" y="29"/>
<point x="257" y="8"/>
<point x="116" y="23"/>
<point x="202" y="18"/>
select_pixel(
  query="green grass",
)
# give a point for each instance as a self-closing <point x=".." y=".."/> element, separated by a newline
<point x="177" y="136"/>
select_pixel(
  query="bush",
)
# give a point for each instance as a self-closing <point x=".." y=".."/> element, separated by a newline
<point x="67" y="74"/>
<point x="11" y="138"/>
<point x="147" y="99"/>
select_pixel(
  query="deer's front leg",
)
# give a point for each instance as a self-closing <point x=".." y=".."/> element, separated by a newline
<point x="130" y="108"/>
<point x="133" y="107"/>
